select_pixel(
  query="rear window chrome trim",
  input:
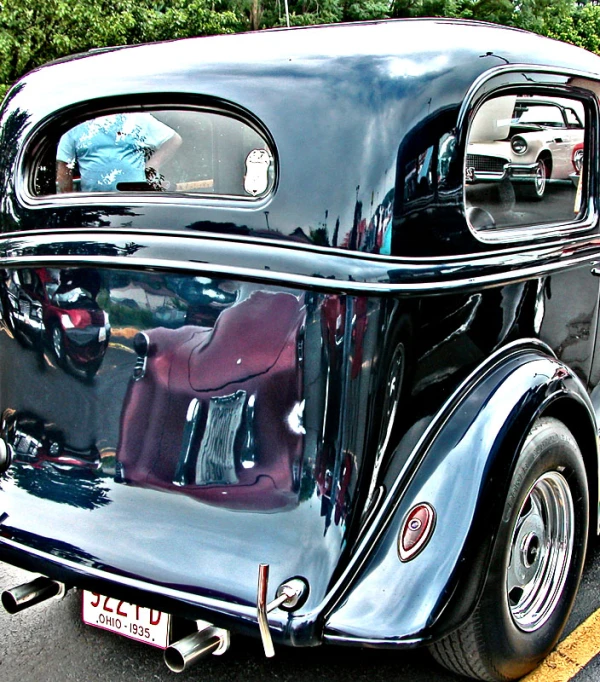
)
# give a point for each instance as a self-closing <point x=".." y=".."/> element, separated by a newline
<point x="480" y="82"/>
<point x="36" y="136"/>
<point x="527" y="234"/>
<point x="530" y="233"/>
<point x="138" y="199"/>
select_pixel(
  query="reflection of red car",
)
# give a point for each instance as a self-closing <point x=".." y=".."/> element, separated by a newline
<point x="217" y="413"/>
<point x="59" y="307"/>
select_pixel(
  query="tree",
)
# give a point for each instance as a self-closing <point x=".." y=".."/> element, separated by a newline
<point x="587" y="27"/>
<point x="33" y="32"/>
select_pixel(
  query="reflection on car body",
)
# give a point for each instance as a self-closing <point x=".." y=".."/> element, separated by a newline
<point x="237" y="407"/>
<point x="531" y="146"/>
<point x="40" y="444"/>
<point x="59" y="308"/>
<point x="352" y="388"/>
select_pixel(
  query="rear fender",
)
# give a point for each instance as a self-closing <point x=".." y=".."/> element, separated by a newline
<point x="462" y="467"/>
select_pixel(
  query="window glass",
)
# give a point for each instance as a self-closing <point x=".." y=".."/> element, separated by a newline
<point x="174" y="151"/>
<point x="525" y="162"/>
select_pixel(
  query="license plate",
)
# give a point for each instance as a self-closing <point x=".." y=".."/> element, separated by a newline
<point x="135" y="622"/>
<point x="102" y="334"/>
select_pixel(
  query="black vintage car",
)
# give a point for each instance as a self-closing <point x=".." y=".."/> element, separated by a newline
<point x="350" y="392"/>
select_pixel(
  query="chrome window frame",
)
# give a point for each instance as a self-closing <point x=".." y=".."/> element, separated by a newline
<point x="47" y="131"/>
<point x="543" y="81"/>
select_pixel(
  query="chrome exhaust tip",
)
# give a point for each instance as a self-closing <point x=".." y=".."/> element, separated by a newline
<point x="30" y="594"/>
<point x="187" y="651"/>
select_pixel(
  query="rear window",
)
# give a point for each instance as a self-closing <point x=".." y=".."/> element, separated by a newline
<point x="178" y="151"/>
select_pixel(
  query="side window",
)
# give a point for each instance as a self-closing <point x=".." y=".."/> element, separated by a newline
<point x="166" y="150"/>
<point x="525" y="162"/>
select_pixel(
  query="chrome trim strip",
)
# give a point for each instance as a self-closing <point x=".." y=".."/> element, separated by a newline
<point x="408" y="643"/>
<point x="304" y="281"/>
<point x="529" y="233"/>
<point x="248" y="613"/>
<point x="72" y="234"/>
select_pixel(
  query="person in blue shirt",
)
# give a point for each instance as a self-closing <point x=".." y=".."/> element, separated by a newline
<point x="114" y="149"/>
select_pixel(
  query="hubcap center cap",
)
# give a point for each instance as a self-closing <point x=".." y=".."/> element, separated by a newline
<point x="530" y="549"/>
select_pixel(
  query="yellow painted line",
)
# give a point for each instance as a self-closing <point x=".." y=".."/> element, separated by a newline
<point x="120" y="346"/>
<point x="124" y="332"/>
<point x="571" y="655"/>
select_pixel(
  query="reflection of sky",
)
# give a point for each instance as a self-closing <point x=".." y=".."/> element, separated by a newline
<point x="348" y="102"/>
<point x="172" y="539"/>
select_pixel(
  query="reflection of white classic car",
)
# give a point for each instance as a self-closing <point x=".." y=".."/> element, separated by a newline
<point x="528" y="140"/>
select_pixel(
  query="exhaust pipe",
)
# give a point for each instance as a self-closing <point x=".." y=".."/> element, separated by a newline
<point x="189" y="650"/>
<point x="30" y="594"/>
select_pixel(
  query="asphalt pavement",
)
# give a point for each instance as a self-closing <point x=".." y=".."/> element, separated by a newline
<point x="49" y="643"/>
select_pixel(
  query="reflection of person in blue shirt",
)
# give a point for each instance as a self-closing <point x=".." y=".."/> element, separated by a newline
<point x="119" y="148"/>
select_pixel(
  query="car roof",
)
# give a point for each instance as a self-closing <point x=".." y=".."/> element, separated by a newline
<point x="340" y="103"/>
<point x="395" y="50"/>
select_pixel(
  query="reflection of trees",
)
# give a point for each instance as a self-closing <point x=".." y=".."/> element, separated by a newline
<point x="81" y="489"/>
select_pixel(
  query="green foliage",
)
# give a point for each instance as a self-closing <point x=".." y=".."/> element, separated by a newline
<point x="187" y="18"/>
<point x="424" y="8"/>
<point x="587" y="26"/>
<point x="366" y="10"/>
<point x="34" y="32"/>
<point x="496" y="11"/>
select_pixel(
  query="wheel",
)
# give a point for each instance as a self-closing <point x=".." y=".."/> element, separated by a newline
<point x="535" y="567"/>
<point x="58" y="345"/>
<point x="535" y="190"/>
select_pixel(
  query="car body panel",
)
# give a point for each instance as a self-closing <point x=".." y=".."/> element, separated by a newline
<point x="473" y="451"/>
<point x="285" y="374"/>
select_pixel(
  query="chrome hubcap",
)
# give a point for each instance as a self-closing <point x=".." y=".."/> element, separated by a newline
<point x="541" y="548"/>
<point x="540" y="177"/>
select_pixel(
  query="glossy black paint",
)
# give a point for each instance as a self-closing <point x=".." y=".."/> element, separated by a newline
<point x="380" y="375"/>
<point x="255" y="466"/>
<point x="467" y="461"/>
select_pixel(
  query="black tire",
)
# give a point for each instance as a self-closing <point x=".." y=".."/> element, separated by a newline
<point x="536" y="189"/>
<point x="508" y="635"/>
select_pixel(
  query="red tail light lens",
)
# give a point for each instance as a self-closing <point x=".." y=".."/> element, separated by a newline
<point x="416" y="531"/>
